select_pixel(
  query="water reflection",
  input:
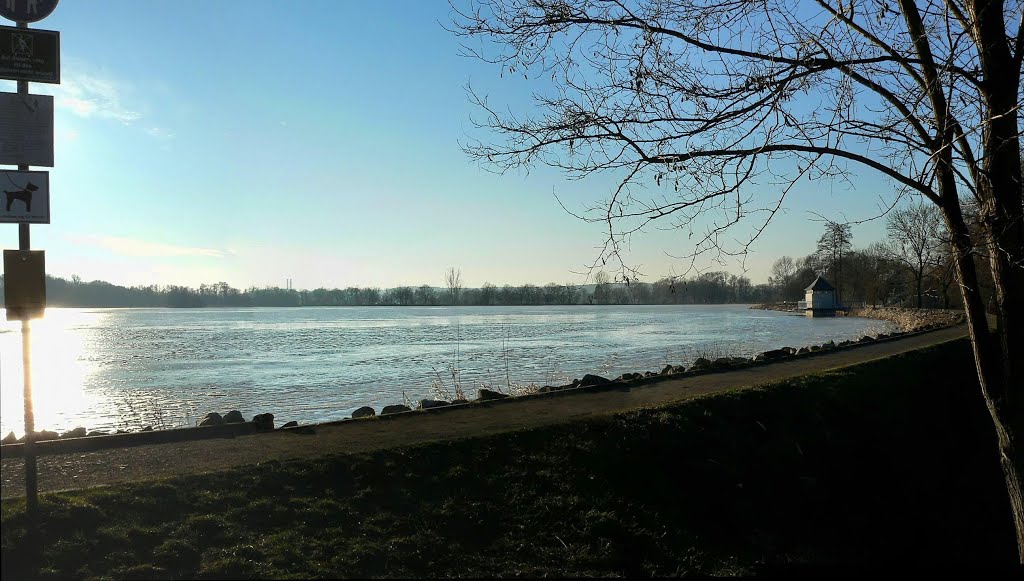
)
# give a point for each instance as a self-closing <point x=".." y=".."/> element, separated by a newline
<point x="59" y="368"/>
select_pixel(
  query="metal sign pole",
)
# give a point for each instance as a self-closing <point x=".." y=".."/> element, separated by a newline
<point x="31" y="468"/>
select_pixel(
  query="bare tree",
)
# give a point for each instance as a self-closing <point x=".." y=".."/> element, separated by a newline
<point x="453" y="280"/>
<point x="917" y="241"/>
<point x="789" y="277"/>
<point x="602" y="288"/>
<point x="782" y="270"/>
<point x="699" y="100"/>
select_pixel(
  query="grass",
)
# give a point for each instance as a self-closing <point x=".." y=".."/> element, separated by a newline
<point x="891" y="462"/>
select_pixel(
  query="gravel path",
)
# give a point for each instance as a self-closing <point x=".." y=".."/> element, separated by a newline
<point x="82" y="470"/>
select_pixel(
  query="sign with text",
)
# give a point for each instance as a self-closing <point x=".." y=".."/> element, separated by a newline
<point x="29" y="54"/>
<point x="26" y="129"/>
<point x="26" y="10"/>
<point x="25" y="198"/>
<point x="24" y="284"/>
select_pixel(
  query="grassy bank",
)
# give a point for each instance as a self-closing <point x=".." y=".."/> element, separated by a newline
<point x="890" y="462"/>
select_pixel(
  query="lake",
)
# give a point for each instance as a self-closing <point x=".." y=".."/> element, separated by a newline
<point x="109" y="369"/>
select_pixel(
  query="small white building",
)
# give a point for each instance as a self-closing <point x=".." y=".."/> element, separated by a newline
<point x="820" y="299"/>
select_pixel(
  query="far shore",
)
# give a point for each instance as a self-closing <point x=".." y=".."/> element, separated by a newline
<point x="906" y="318"/>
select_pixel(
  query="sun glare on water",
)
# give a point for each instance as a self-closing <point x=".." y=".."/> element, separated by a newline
<point x="59" y="369"/>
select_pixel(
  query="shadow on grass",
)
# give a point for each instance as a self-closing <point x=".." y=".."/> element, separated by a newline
<point x="889" y="463"/>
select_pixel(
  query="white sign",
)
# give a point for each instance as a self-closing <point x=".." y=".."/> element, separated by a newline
<point x="25" y="197"/>
<point x="26" y="129"/>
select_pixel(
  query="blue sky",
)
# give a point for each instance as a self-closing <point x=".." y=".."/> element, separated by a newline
<point x="253" y="141"/>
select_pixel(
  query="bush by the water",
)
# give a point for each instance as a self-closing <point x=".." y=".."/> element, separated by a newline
<point x="889" y="462"/>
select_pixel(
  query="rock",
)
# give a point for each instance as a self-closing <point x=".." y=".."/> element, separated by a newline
<point x="394" y="409"/>
<point x="845" y="343"/>
<point x="631" y="376"/>
<point x="589" y="380"/>
<point x="9" y="439"/>
<point x="363" y="412"/>
<point x="866" y="339"/>
<point x="264" y="421"/>
<point x="147" y="429"/>
<point x="701" y="363"/>
<point x="828" y="345"/>
<point x="815" y="348"/>
<point x="96" y="433"/>
<point x="46" y="435"/>
<point x="802" y="350"/>
<point x="649" y="374"/>
<point x="121" y="432"/>
<point x="212" y="419"/>
<point x="290" y="424"/>
<point x="234" y="417"/>
<point x="426" y="404"/>
<point x="459" y="401"/>
<point x="488" y="395"/>
<point x="774" y="354"/>
<point x="722" y="362"/>
<point x="78" y="432"/>
<point x="667" y="369"/>
<point x="547" y="389"/>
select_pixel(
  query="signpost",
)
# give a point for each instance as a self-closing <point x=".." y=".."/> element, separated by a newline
<point x="26" y="138"/>
<point x="26" y="10"/>
<point x="24" y="197"/>
<point x="25" y="294"/>
<point x="29" y="55"/>
<point x="26" y="128"/>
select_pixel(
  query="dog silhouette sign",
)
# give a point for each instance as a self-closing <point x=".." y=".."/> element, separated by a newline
<point x="25" y="198"/>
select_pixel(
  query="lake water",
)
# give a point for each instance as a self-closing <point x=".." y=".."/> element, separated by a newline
<point x="112" y="369"/>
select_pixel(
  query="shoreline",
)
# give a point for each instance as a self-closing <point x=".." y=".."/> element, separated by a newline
<point x="487" y="394"/>
<point x="140" y="456"/>
<point x="907" y="319"/>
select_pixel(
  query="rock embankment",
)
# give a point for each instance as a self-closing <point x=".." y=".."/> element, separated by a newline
<point x="909" y="320"/>
<point x="914" y="322"/>
<point x="263" y="421"/>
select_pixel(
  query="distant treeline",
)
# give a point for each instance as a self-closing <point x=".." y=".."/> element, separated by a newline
<point x="913" y="267"/>
<point x="707" y="288"/>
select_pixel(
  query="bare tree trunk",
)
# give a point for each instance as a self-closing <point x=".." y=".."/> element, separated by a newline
<point x="1003" y="237"/>
<point x="920" y="275"/>
<point x="1002" y="214"/>
<point x="994" y="361"/>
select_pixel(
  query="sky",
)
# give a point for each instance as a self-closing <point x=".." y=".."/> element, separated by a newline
<point x="253" y="141"/>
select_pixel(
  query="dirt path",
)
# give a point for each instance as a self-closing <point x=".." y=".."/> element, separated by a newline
<point x="73" y="471"/>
